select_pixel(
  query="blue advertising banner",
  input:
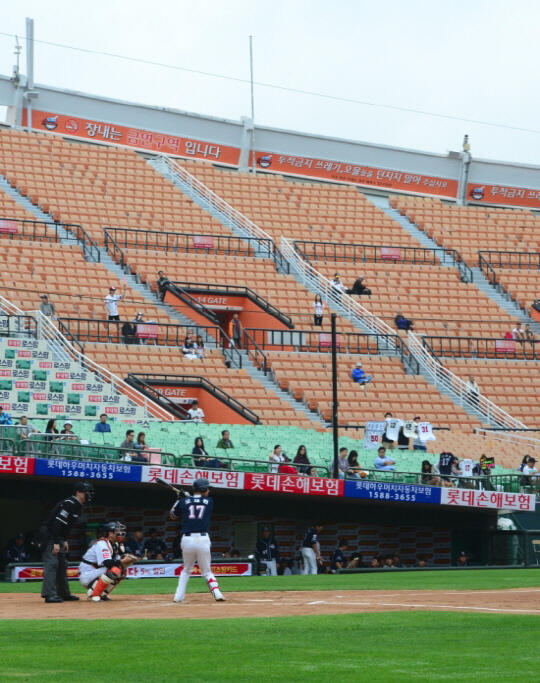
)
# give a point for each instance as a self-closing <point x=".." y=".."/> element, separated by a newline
<point x="110" y="471"/>
<point x="400" y="493"/>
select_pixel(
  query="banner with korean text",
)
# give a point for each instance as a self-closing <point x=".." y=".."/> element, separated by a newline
<point x="184" y="476"/>
<point x="505" y="195"/>
<point x="10" y="464"/>
<point x="390" y="491"/>
<point x="77" y="469"/>
<point x="292" y="483"/>
<point x="488" y="499"/>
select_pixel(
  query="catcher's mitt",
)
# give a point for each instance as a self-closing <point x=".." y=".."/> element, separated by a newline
<point x="127" y="560"/>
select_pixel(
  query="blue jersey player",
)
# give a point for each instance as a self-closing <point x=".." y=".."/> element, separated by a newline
<point x="196" y="512"/>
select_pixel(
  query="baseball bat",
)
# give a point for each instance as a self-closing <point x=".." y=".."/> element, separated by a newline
<point x="179" y="492"/>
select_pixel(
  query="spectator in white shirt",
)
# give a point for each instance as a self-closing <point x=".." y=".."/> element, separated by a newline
<point x="337" y="286"/>
<point x="195" y="413"/>
<point x="473" y="390"/>
<point x="276" y="457"/>
<point x="343" y="462"/>
<point x="518" y="333"/>
<point x="318" y="310"/>
<point x="111" y="303"/>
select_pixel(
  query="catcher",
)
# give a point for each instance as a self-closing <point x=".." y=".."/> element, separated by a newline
<point x="105" y="562"/>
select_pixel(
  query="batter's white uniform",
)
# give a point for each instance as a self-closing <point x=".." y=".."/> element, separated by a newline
<point x="91" y="566"/>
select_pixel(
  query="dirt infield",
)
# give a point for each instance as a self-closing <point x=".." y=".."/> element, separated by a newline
<point x="273" y="604"/>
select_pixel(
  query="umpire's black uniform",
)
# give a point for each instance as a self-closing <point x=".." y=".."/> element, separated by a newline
<point x="55" y="531"/>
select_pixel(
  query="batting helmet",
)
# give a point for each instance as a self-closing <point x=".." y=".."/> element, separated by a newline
<point x="85" y="487"/>
<point x="201" y="484"/>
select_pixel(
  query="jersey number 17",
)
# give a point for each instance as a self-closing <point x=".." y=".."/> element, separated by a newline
<point x="196" y="511"/>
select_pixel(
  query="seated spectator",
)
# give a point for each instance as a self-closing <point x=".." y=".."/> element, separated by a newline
<point x="403" y="323"/>
<point x="382" y="462"/>
<point x="51" y="430"/>
<point x="338" y="558"/>
<point x="139" y="319"/>
<point x="312" y="472"/>
<point x="418" y="444"/>
<point x="68" y="433"/>
<point x="129" y="333"/>
<point x="188" y="347"/>
<point x="16" y="549"/>
<point x="301" y="458"/>
<point x="529" y="334"/>
<point x="359" y="376"/>
<point x="128" y="444"/>
<point x="25" y="432"/>
<point x="154" y="547"/>
<point x="337" y="286"/>
<point x="276" y="458"/>
<point x="359" y="288"/>
<point x="343" y="462"/>
<point x="462" y="560"/>
<point x="135" y="543"/>
<point x="518" y="333"/>
<point x="430" y="474"/>
<point x="486" y="465"/>
<point x="225" y="441"/>
<point x="374" y="563"/>
<point x="195" y="413"/>
<point x="162" y="283"/>
<point x="421" y="563"/>
<point x="199" y="347"/>
<point x="140" y="446"/>
<point x="528" y="467"/>
<point x="355" y="468"/>
<point x="203" y="459"/>
<point x="287" y="468"/>
<point x="46" y="307"/>
<point x="5" y="419"/>
<point x="388" y="563"/>
<point x="447" y="462"/>
<point x="396" y="561"/>
<point x="102" y="425"/>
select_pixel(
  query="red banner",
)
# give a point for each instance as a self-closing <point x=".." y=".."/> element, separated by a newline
<point x="8" y="226"/>
<point x="504" y="195"/>
<point x="288" y="483"/>
<point x="10" y="464"/>
<point x="98" y="131"/>
<point x="356" y="173"/>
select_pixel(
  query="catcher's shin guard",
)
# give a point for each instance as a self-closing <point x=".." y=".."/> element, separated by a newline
<point x="107" y="580"/>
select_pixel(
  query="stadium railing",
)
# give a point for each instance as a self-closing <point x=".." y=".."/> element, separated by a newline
<point x="362" y="253"/>
<point x="17" y="325"/>
<point x="480" y="347"/>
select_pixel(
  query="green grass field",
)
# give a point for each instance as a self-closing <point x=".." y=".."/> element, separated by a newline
<point x="391" y="646"/>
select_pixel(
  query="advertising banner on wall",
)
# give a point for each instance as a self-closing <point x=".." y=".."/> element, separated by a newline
<point x="164" y="143"/>
<point x="185" y="476"/>
<point x="504" y="195"/>
<point x="290" y="483"/>
<point x="488" y="499"/>
<point x="112" y="471"/>
<point x="389" y="491"/>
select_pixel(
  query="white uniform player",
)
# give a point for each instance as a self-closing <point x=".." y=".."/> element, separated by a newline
<point x="100" y="570"/>
<point x="196" y="512"/>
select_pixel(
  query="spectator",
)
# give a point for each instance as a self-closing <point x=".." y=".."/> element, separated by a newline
<point x="102" y="425"/>
<point x="359" y="376"/>
<point x="518" y="333"/>
<point x="195" y="413"/>
<point x="46" y="307"/>
<point x="16" y="549"/>
<point x="235" y="331"/>
<point x="402" y="440"/>
<point x="199" y="347"/>
<point x="285" y="468"/>
<point x="355" y="468"/>
<point x="276" y="457"/>
<point x="318" y="311"/>
<point x="129" y="333"/>
<point x="235" y="553"/>
<point x="338" y="558"/>
<point x="154" y="547"/>
<point x="111" y="303"/>
<point x="421" y="563"/>
<point x="51" y="429"/>
<point x="226" y="555"/>
<point x="388" y="443"/>
<point x="447" y="461"/>
<point x="396" y="562"/>
<point x="25" y="431"/>
<point x="473" y="390"/>
<point x="203" y="459"/>
<point x="374" y="563"/>
<point x="343" y="462"/>
<point x="188" y="347"/>
<point x="67" y="431"/>
<point x="301" y="458"/>
<point x="225" y="441"/>
<point x="139" y="318"/>
<point x="139" y="446"/>
<point x="382" y="462"/>
<point x="462" y="560"/>
<point x="359" y="288"/>
<point x="162" y="283"/>
<point x="129" y="442"/>
<point x="337" y="288"/>
<point x="5" y="419"/>
<point x="135" y="543"/>
<point x="508" y="335"/>
<point x="403" y="323"/>
<point x="529" y="334"/>
<point x="430" y="474"/>
<point x="528" y="470"/>
<point x="312" y="472"/>
<point x="418" y="444"/>
<point x="267" y="551"/>
<point x="486" y="465"/>
<point x="388" y="563"/>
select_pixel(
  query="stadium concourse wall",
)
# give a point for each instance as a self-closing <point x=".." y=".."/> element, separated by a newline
<point x="183" y="134"/>
<point x="375" y="517"/>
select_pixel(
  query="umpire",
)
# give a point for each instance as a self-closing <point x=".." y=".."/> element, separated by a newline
<point x="54" y="532"/>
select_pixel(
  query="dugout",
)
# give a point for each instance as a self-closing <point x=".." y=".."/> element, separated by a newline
<point x="435" y="532"/>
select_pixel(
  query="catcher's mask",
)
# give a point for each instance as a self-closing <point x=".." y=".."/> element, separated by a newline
<point x="113" y="527"/>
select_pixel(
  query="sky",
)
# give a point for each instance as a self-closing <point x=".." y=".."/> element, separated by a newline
<point x="471" y="59"/>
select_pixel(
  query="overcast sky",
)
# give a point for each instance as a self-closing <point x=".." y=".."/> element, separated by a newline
<point x="476" y="59"/>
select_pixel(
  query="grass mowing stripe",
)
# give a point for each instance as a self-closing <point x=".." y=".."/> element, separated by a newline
<point x="379" y="647"/>
<point x="459" y="579"/>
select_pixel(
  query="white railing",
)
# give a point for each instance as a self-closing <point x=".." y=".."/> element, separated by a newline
<point x="341" y="302"/>
<point x="47" y="330"/>
<point x="233" y="217"/>
<point x="445" y="380"/>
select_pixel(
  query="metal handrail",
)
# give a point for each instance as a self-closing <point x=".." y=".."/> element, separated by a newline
<point x="256" y="465"/>
<point x="231" y="216"/>
<point x="10" y="324"/>
<point x="147" y="389"/>
<point x="339" y="251"/>
<point x="197" y="381"/>
<point x="72" y="449"/>
<point x="40" y="231"/>
<point x="192" y="302"/>
<point x="212" y="287"/>
<point x="46" y="330"/>
<point x="510" y="259"/>
<point x="481" y="347"/>
<point x="254" y="351"/>
<point x="445" y="380"/>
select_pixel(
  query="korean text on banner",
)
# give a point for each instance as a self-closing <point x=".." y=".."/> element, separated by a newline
<point x="504" y="194"/>
<point x="287" y="483"/>
<point x="10" y="464"/>
<point x="488" y="499"/>
<point x="387" y="491"/>
<point x="184" y="476"/>
<point x="56" y="467"/>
